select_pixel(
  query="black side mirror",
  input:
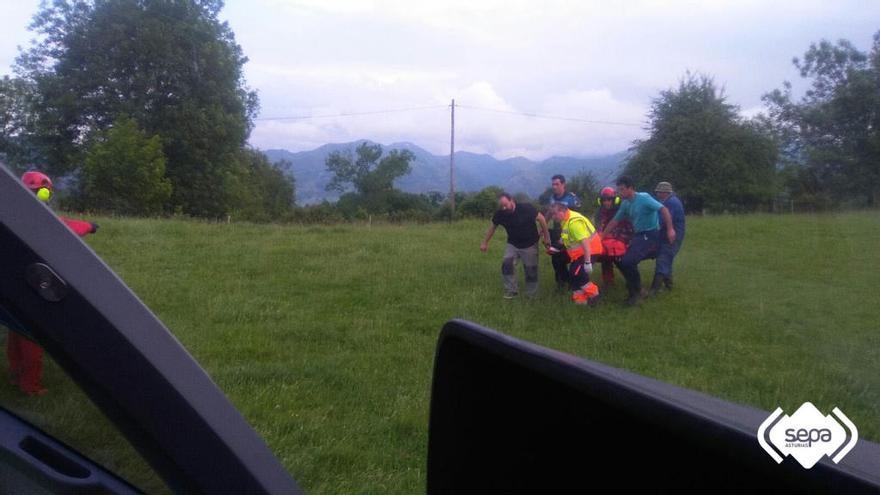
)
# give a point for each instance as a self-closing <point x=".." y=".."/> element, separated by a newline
<point x="508" y="416"/>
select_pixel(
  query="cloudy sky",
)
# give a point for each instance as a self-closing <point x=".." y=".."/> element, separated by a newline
<point x="597" y="61"/>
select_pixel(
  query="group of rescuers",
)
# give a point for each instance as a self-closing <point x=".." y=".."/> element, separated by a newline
<point x="628" y="227"/>
<point x="632" y="226"/>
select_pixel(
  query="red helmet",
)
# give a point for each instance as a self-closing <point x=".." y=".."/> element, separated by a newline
<point x="34" y="180"/>
<point x="608" y="193"/>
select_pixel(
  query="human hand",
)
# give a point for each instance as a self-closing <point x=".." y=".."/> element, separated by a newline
<point x="484" y="246"/>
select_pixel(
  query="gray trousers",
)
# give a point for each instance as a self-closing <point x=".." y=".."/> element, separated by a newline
<point x="529" y="258"/>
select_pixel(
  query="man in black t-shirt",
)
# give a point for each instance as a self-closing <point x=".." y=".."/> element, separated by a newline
<point x="522" y="242"/>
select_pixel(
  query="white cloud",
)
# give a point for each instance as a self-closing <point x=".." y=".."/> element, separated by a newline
<point x="16" y="17"/>
<point x="752" y="112"/>
<point x="504" y="133"/>
<point x="590" y="59"/>
<point x="507" y="135"/>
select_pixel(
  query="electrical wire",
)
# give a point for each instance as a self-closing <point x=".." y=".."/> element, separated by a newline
<point x="551" y="117"/>
<point x="352" y="114"/>
<point x="470" y="107"/>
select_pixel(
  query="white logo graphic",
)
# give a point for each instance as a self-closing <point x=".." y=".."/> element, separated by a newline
<point x="807" y="435"/>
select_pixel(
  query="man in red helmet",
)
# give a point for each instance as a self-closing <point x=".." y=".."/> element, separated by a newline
<point x="25" y="356"/>
<point x="41" y="185"/>
<point x="614" y="242"/>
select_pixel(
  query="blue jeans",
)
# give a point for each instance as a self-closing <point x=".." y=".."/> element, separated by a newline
<point x="578" y="276"/>
<point x="666" y="255"/>
<point x="643" y="245"/>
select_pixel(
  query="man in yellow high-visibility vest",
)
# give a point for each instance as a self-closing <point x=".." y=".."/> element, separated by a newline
<point x="578" y="237"/>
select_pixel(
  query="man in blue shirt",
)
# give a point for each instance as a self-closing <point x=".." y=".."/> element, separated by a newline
<point x="644" y="213"/>
<point x="666" y="255"/>
<point x="557" y="250"/>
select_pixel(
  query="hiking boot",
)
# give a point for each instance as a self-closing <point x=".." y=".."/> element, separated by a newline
<point x="510" y="295"/>
<point x="634" y="299"/>
<point x="656" y="286"/>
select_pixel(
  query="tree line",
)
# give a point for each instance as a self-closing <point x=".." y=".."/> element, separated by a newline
<point x="141" y="106"/>
<point x="820" y="150"/>
<point x="144" y="106"/>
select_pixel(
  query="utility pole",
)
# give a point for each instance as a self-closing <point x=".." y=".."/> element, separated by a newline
<point x="452" y="164"/>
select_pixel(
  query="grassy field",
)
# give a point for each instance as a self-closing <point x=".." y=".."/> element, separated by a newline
<point x="324" y="336"/>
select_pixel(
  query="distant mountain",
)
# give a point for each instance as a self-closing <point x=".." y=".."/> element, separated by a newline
<point x="431" y="172"/>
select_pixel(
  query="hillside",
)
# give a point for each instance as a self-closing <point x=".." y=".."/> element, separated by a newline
<point x="431" y="172"/>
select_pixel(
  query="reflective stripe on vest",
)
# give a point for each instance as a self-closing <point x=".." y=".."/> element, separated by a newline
<point x="574" y="216"/>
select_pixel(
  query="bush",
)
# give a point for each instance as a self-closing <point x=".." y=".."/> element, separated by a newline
<point x="124" y="173"/>
<point x="322" y="213"/>
<point x="403" y="216"/>
<point x="480" y="205"/>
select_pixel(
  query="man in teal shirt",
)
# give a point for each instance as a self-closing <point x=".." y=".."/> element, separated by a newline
<point x="644" y="213"/>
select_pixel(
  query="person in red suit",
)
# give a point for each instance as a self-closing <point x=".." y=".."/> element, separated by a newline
<point x="24" y="355"/>
<point x="613" y="243"/>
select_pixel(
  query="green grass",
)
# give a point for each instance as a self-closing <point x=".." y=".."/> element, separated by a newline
<point x="324" y="336"/>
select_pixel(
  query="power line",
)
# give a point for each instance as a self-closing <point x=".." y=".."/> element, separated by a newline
<point x="551" y="117"/>
<point x="352" y="114"/>
<point x="472" y="107"/>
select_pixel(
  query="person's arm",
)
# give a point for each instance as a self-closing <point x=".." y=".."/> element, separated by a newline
<point x="609" y="227"/>
<point x="588" y="258"/>
<point x="667" y="220"/>
<point x="616" y="219"/>
<point x="80" y="228"/>
<point x="545" y="232"/>
<point x="489" y="233"/>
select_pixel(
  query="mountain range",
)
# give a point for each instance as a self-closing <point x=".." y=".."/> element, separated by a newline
<point x="431" y="172"/>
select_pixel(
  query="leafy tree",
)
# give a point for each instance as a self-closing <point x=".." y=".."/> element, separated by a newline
<point x="831" y="136"/>
<point x="370" y="174"/>
<point x="15" y="99"/>
<point x="172" y="66"/>
<point x="700" y="144"/>
<point x="124" y="172"/>
<point x="263" y="192"/>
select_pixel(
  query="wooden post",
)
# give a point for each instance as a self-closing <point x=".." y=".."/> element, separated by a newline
<point x="452" y="164"/>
